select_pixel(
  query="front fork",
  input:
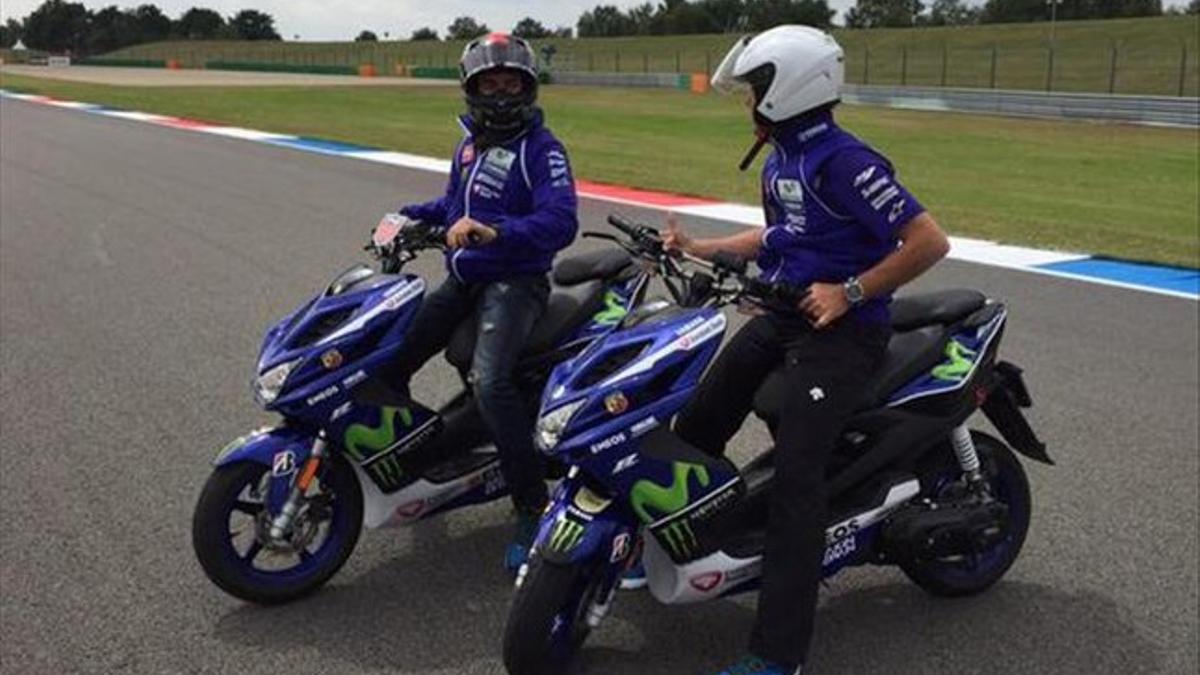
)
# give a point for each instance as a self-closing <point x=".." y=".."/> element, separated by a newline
<point x="282" y="523"/>
<point x="583" y="528"/>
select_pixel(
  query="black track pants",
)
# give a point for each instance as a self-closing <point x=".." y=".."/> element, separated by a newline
<point x="826" y="370"/>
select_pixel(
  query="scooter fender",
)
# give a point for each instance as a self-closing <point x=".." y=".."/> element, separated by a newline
<point x="283" y="451"/>
<point x="280" y="448"/>
<point x="580" y="525"/>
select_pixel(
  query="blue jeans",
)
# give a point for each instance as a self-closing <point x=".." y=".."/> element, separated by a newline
<point x="507" y="311"/>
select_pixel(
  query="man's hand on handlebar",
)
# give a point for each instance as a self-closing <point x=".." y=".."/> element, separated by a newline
<point x="467" y="232"/>
<point x="675" y="241"/>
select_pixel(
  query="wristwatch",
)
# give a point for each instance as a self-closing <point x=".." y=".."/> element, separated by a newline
<point x="854" y="292"/>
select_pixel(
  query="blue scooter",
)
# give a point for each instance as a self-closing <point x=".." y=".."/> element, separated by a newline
<point x="284" y="506"/>
<point x="910" y="483"/>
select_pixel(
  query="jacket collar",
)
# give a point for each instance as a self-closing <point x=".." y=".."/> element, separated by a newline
<point x="798" y="134"/>
<point x="468" y="126"/>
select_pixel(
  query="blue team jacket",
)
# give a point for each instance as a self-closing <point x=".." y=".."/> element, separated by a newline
<point x="523" y="189"/>
<point x="833" y="208"/>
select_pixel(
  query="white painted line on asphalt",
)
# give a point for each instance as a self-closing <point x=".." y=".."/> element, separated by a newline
<point x="132" y="115"/>
<point x="403" y="159"/>
<point x="244" y="134"/>
<point x="1004" y="255"/>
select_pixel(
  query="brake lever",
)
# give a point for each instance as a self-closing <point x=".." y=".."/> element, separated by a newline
<point x="601" y="235"/>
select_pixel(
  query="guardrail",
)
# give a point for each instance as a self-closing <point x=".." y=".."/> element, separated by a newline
<point x="1170" y="110"/>
<point x="660" y="80"/>
<point x="253" y="66"/>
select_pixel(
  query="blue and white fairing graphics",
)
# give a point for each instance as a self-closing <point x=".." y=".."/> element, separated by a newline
<point x="963" y="353"/>
<point x="371" y="325"/>
<point x="622" y="364"/>
<point x="618" y="300"/>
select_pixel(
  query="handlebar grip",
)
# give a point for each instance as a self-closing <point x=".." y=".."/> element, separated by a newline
<point x="623" y="225"/>
<point x="729" y="262"/>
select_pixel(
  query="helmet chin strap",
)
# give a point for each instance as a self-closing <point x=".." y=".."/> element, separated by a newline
<point x="761" y="136"/>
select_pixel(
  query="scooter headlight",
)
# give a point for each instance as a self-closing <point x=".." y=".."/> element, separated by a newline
<point x="268" y="385"/>
<point x="551" y="425"/>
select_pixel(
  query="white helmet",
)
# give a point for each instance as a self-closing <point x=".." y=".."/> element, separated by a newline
<point x="789" y="69"/>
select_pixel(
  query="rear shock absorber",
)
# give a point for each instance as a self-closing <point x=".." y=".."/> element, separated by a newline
<point x="964" y="450"/>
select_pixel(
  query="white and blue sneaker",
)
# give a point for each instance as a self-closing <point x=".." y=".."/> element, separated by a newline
<point x="634" y="578"/>
<point x="518" y="551"/>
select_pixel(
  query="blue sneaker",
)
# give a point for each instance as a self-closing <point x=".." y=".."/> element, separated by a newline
<point x="518" y="550"/>
<point x="752" y="665"/>
<point x="634" y="577"/>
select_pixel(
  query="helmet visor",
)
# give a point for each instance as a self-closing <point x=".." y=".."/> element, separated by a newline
<point x="491" y="53"/>
<point x="724" y="79"/>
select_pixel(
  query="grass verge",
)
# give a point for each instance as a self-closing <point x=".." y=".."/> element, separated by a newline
<point x="1125" y="191"/>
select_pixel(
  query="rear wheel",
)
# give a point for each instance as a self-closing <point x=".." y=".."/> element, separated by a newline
<point x="231" y="523"/>
<point x="547" y="623"/>
<point x="964" y="575"/>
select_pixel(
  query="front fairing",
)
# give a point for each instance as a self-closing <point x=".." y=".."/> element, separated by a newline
<point x="331" y="366"/>
<point x="662" y="363"/>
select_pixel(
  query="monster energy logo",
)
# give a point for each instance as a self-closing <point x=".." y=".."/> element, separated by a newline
<point x="958" y="362"/>
<point x="387" y="471"/>
<point x="680" y="537"/>
<point x="666" y="499"/>
<point x="566" y="535"/>
<point x="613" y="310"/>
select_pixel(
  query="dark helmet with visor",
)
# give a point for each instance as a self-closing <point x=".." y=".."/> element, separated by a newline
<point x="499" y="115"/>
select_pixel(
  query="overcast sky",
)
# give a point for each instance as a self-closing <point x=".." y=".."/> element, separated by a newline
<point x="332" y="20"/>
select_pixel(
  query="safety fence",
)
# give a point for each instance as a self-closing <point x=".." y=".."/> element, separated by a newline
<point x="1168" y="110"/>
<point x="1155" y="56"/>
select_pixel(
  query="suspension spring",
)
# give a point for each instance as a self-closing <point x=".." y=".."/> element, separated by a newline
<point x="964" y="450"/>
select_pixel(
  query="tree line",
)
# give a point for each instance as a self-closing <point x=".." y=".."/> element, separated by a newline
<point x="673" y="17"/>
<point x="61" y="26"/>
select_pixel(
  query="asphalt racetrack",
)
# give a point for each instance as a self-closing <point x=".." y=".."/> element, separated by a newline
<point x="139" y="267"/>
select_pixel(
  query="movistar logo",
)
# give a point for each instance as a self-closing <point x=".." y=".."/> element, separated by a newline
<point x="958" y="362"/>
<point x="669" y="499"/>
<point x="361" y="441"/>
<point x="566" y="535"/>
<point x="614" y="310"/>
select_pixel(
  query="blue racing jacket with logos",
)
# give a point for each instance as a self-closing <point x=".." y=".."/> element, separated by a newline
<point x="523" y="189"/>
<point x="833" y="209"/>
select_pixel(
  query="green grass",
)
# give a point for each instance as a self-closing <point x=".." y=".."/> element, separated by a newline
<point x="1119" y="190"/>
<point x="1150" y="52"/>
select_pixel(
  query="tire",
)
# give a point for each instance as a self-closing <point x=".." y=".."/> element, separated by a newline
<point x="532" y="646"/>
<point x="234" y="571"/>
<point x="1009" y="484"/>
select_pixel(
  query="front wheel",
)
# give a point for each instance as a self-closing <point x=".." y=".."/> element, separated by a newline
<point x="971" y="574"/>
<point x="231" y="524"/>
<point x="547" y="623"/>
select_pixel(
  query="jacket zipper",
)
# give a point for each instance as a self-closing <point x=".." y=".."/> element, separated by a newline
<point x="466" y="213"/>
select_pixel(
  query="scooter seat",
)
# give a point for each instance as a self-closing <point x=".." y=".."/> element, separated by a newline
<point x="908" y="355"/>
<point x="567" y="308"/>
<point x="939" y="307"/>
<point x="600" y="264"/>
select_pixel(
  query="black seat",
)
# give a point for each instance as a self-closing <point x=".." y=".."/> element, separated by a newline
<point x="908" y="355"/>
<point x="938" y="307"/>
<point x="604" y="263"/>
<point x="567" y="308"/>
